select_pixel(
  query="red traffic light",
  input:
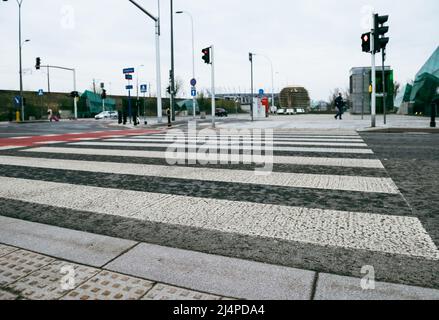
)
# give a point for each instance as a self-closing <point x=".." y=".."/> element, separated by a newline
<point x="206" y="55"/>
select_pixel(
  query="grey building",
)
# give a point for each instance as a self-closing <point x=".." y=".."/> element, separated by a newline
<point x="360" y="81"/>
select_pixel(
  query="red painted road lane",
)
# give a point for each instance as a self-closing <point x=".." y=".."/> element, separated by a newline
<point x="68" y="137"/>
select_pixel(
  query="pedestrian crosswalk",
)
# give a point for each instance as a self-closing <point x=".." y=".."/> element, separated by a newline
<point x="328" y="204"/>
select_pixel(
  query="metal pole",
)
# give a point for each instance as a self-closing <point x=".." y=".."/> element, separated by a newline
<point x="384" y="87"/>
<point x="129" y="106"/>
<point x="75" y="102"/>
<point x="172" y="62"/>
<point x="362" y="95"/>
<point x="373" y="105"/>
<point x="48" y="79"/>
<point x="213" y="86"/>
<point x="251" y="90"/>
<point x="158" y="75"/>
<point x="193" y="63"/>
<point x="20" y="58"/>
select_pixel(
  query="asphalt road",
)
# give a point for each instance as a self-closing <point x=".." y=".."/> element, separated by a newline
<point x="13" y="129"/>
<point x="412" y="161"/>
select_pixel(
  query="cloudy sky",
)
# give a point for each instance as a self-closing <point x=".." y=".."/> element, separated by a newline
<point x="313" y="43"/>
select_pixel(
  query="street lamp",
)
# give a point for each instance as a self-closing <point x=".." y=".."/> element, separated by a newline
<point x="20" y="43"/>
<point x="158" y="71"/>
<point x="193" y="55"/>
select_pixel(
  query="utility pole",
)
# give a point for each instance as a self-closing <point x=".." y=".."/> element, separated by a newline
<point x="373" y="102"/>
<point x="251" y="90"/>
<point x="172" y="63"/>
<point x="212" y="52"/>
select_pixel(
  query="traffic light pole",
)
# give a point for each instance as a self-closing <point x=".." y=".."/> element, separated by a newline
<point x="251" y="86"/>
<point x="373" y="100"/>
<point x="75" y="102"/>
<point x="158" y="70"/>
<point x="384" y="87"/>
<point x="212" y="52"/>
<point x="172" y="63"/>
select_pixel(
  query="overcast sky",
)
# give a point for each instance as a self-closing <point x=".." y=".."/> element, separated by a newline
<point x="313" y="43"/>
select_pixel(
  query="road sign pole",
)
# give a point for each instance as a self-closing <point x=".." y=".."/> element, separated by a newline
<point x="129" y="106"/>
<point x="213" y="86"/>
<point x="373" y="102"/>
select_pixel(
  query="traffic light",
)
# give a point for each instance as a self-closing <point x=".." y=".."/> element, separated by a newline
<point x="365" y="38"/>
<point x="206" y="55"/>
<point x="38" y="64"/>
<point x="168" y="89"/>
<point x="250" y="57"/>
<point x="380" y="41"/>
<point x="104" y="94"/>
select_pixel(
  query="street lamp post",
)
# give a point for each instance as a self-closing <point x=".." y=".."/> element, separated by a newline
<point x="158" y="70"/>
<point x="193" y="56"/>
<point x="20" y="45"/>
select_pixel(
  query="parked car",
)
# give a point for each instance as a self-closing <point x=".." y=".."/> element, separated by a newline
<point x="280" y="111"/>
<point x="107" y="115"/>
<point x="221" y="113"/>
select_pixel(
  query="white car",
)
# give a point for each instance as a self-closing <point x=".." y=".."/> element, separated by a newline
<point x="280" y="111"/>
<point x="291" y="111"/>
<point x="107" y="115"/>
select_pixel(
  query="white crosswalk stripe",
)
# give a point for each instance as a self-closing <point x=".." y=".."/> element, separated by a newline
<point x="293" y="160"/>
<point x="291" y="143"/>
<point x="327" y="182"/>
<point x="401" y="235"/>
<point x="249" y="148"/>
<point x="361" y="232"/>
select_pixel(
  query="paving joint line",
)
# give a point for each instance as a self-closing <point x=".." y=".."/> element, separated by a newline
<point x="314" y="286"/>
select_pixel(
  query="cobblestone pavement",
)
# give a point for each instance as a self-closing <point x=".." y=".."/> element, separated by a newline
<point x="31" y="276"/>
<point x="329" y="204"/>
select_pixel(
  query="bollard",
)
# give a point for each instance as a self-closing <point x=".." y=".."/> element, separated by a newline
<point x="120" y="118"/>
<point x="17" y="116"/>
<point x="168" y="112"/>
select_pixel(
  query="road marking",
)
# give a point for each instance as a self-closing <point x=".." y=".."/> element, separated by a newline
<point x="49" y="142"/>
<point x="250" y="148"/>
<point x="361" y="231"/>
<point x="19" y="138"/>
<point x="293" y="180"/>
<point x="9" y="147"/>
<point x="276" y="136"/>
<point x="252" y="137"/>
<point x="305" y="161"/>
<point x="263" y="141"/>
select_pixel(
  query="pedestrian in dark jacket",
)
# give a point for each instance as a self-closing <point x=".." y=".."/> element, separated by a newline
<point x="339" y="104"/>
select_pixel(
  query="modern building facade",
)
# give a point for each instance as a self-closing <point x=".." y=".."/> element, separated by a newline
<point x="360" y="81"/>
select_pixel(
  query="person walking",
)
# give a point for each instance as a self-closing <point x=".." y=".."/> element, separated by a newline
<point x="339" y="104"/>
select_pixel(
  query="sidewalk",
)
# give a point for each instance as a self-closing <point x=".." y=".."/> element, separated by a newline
<point x="37" y="261"/>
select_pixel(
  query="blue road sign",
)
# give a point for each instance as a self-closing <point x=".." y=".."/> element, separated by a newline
<point x="143" y="88"/>
<point x="194" y="92"/>
<point x="129" y="87"/>
<point x="193" y="82"/>
<point x="41" y="92"/>
<point x="128" y="70"/>
<point x="261" y="92"/>
<point x="129" y="76"/>
<point x="17" y="100"/>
